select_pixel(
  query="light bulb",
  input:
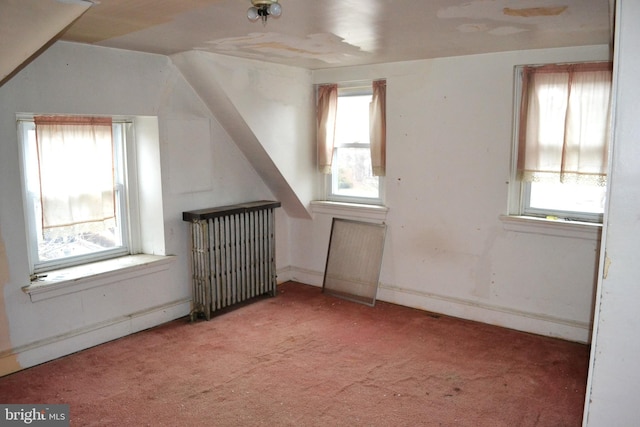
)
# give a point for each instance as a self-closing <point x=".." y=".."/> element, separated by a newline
<point x="275" y="10"/>
<point x="252" y="14"/>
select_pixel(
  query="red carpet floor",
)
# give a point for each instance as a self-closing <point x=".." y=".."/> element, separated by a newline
<point x="307" y="359"/>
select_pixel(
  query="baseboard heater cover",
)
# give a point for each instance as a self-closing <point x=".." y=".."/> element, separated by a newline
<point x="232" y="255"/>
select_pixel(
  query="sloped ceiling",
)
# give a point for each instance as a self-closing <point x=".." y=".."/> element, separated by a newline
<point x="275" y="155"/>
<point x="310" y="34"/>
<point x="26" y="26"/>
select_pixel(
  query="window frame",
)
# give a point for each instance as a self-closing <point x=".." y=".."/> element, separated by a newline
<point x="528" y="210"/>
<point x="126" y="198"/>
<point x="330" y="180"/>
<point x="520" y="191"/>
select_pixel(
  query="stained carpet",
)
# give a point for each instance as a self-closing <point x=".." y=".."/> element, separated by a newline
<point x="307" y="359"/>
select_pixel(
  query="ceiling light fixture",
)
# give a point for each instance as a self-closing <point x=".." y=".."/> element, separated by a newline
<point x="262" y="9"/>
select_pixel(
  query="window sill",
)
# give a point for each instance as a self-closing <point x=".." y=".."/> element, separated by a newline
<point x="350" y="210"/>
<point x="552" y="227"/>
<point x="73" y="279"/>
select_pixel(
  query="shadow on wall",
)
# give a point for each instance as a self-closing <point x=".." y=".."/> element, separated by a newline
<point x="9" y="361"/>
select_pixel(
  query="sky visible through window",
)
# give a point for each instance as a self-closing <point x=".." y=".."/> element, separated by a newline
<point x="352" y="162"/>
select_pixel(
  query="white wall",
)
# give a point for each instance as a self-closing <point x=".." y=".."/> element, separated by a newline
<point x="275" y="102"/>
<point x="200" y="167"/>
<point x="268" y="111"/>
<point x="612" y="396"/>
<point x="449" y="136"/>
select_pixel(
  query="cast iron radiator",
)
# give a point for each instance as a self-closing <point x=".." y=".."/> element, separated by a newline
<point x="232" y="255"/>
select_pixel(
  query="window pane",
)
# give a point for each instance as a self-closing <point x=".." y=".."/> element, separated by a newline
<point x="351" y="172"/>
<point x="567" y="197"/>
<point x="354" y="176"/>
<point x="61" y="244"/>
<point x="566" y="140"/>
<point x="352" y="121"/>
<point x="52" y="246"/>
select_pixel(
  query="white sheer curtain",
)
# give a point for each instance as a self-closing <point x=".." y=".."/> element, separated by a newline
<point x="378" y="127"/>
<point x="76" y="165"/>
<point x="564" y="123"/>
<point x="326" y="121"/>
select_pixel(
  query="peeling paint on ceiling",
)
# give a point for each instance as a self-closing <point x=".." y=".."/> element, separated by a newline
<point x="553" y="15"/>
<point x="327" y="48"/>
<point x="522" y="16"/>
<point x="534" y="11"/>
<point x="497" y="31"/>
<point x="506" y="31"/>
<point x="329" y="33"/>
<point x="472" y="28"/>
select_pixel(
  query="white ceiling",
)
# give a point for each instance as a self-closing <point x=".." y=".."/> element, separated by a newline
<point x="330" y="33"/>
<point x="313" y="34"/>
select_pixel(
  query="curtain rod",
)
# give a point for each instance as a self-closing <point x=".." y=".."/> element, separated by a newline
<point x="360" y="83"/>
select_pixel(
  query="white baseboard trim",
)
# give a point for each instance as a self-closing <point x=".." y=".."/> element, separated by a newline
<point x="82" y="338"/>
<point x="284" y="274"/>
<point x="524" y="321"/>
<point x="301" y="275"/>
<point x="70" y="342"/>
<point x="536" y="323"/>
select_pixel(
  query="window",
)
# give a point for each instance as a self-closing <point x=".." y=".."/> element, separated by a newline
<point x="562" y="134"/>
<point x="351" y="173"/>
<point x="355" y="160"/>
<point x="76" y="192"/>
